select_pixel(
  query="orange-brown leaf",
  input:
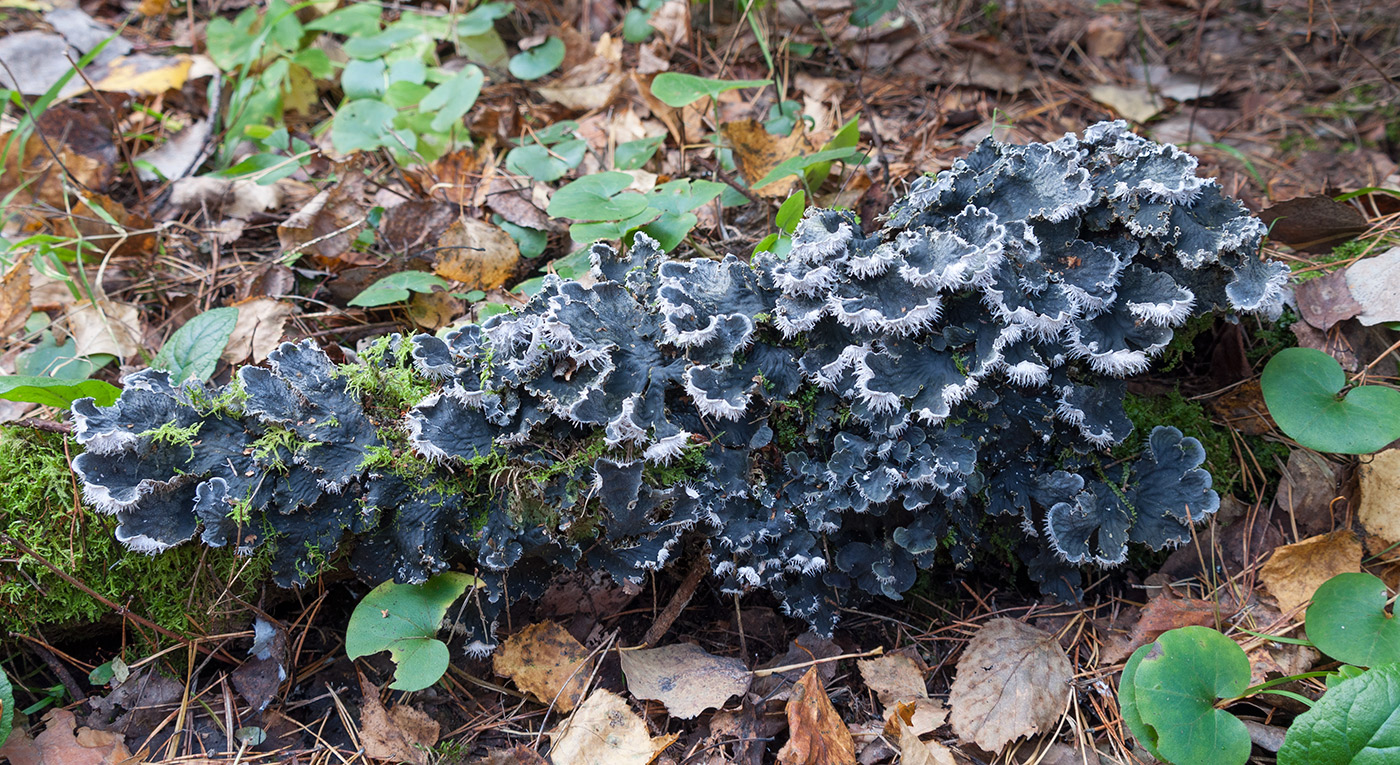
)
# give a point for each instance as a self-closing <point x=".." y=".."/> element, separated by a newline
<point x="817" y="736"/>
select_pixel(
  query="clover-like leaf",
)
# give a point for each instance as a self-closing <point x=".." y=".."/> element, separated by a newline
<point x="1356" y="721"/>
<point x="1348" y="621"/>
<point x="597" y="197"/>
<point x="395" y="288"/>
<point x="404" y="619"/>
<point x="1303" y="389"/>
<point x="194" y="349"/>
<point x="677" y="90"/>
<point x="538" y="61"/>
<point x="1174" y="686"/>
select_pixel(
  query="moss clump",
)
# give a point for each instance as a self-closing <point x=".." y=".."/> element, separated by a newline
<point x="383" y="376"/>
<point x="180" y="589"/>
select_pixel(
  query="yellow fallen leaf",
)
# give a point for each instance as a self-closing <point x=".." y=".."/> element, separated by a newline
<point x="546" y="662"/>
<point x="476" y="253"/>
<point x="1294" y="572"/>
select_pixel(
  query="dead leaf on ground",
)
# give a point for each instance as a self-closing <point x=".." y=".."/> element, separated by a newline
<point x="817" y="736"/>
<point x="477" y="254"/>
<point x="591" y="84"/>
<point x="513" y="203"/>
<point x="220" y="198"/>
<point x="757" y="151"/>
<point x="1313" y="224"/>
<point x="913" y="750"/>
<point x="605" y="731"/>
<point x="434" y="310"/>
<point x="105" y="327"/>
<point x="400" y="734"/>
<point x="63" y="743"/>
<point x="1326" y="300"/>
<point x="805" y="647"/>
<point x="14" y="296"/>
<point x="1161" y="614"/>
<point x="1295" y="571"/>
<point x="1306" y="491"/>
<point x="1135" y="103"/>
<point x="68" y="147"/>
<point x="1380" y="495"/>
<point x="1006" y="73"/>
<point x="178" y="155"/>
<point x="684" y="677"/>
<point x="1374" y="283"/>
<point x="258" y="330"/>
<point x="1012" y="681"/>
<point x="897" y="680"/>
<point x="328" y="224"/>
<point x="1242" y="408"/>
<point x="546" y="662"/>
<point x="520" y="755"/>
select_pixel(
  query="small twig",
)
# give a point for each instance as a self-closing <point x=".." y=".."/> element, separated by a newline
<point x="64" y="676"/>
<point x="877" y="651"/>
<point x="679" y="601"/>
<point x="47" y="426"/>
<point x="287" y="257"/>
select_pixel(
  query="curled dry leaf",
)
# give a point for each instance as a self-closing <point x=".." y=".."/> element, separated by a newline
<point x="476" y="253"/>
<point x="68" y="146"/>
<point x="605" y="731"/>
<point x="546" y="662"/>
<point x="258" y="330"/>
<point x="1380" y="495"/>
<point x="817" y="736"/>
<point x="900" y="727"/>
<point x="400" y="734"/>
<point x="63" y="743"/>
<point x="1294" y="572"/>
<point x="684" y="677"/>
<point x="1012" y="681"/>
<point x="105" y="327"/>
<point x="1161" y="614"/>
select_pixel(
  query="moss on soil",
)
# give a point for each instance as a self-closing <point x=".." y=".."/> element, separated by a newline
<point x="179" y="589"/>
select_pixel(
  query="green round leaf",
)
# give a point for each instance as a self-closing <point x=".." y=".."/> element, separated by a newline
<point x="363" y="125"/>
<point x="537" y="61"/>
<point x="194" y="349"/>
<point x="1174" y="688"/>
<point x="546" y="163"/>
<point x="632" y="155"/>
<point x="588" y="233"/>
<point x="1348" y="621"/>
<point x="636" y="26"/>
<point x="670" y="229"/>
<point x="403" y="619"/>
<point x="394" y="288"/>
<point x="676" y="90"/>
<point x="531" y="241"/>
<point x="1357" y="721"/>
<point x="597" y="197"/>
<point x="377" y="45"/>
<point x="354" y="20"/>
<point x="451" y="100"/>
<point x="1127" y="703"/>
<point x="1300" y="389"/>
<point x="54" y="392"/>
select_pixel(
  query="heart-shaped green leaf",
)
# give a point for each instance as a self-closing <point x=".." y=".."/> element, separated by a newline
<point x="59" y="393"/>
<point x="194" y="349"/>
<point x="453" y="99"/>
<point x="1356" y="721"/>
<point x="394" y="288"/>
<point x="403" y="619"/>
<point x="546" y="163"/>
<point x="676" y="90"/>
<point x="1300" y="388"/>
<point x="597" y="197"/>
<point x="364" y="125"/>
<point x="1174" y="687"/>
<point x="1127" y="704"/>
<point x="538" y="61"/>
<point x="1348" y="621"/>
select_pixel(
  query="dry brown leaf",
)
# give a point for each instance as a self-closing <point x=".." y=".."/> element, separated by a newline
<point x="401" y="734"/>
<point x="520" y="755"/>
<point x="1161" y="614"/>
<point x="1294" y="572"/>
<point x="898" y="679"/>
<point x="14" y="296"/>
<point x="546" y="662"/>
<point x="684" y="677"/>
<point x="913" y="750"/>
<point x="591" y="84"/>
<point x="105" y="327"/>
<point x="258" y="330"/>
<point x="605" y="731"/>
<point x="817" y="736"/>
<point x="514" y="204"/>
<point x="757" y="151"/>
<point x="433" y="310"/>
<point x="223" y="197"/>
<point x="1380" y="495"/>
<point x="68" y="147"/>
<point x="1326" y="300"/>
<point x="142" y="74"/>
<point x="1104" y="36"/>
<point x="1375" y="285"/>
<point x="328" y="224"/>
<point x="476" y="253"/>
<point x="1135" y="103"/>
<point x="1313" y="223"/>
<point x="1012" y="681"/>
<point x="63" y="743"/>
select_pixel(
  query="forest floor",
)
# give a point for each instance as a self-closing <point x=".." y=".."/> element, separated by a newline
<point x="202" y="159"/>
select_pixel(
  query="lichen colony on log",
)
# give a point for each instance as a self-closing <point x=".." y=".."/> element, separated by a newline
<point x="831" y="422"/>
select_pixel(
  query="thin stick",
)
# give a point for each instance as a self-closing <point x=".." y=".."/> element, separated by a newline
<point x="679" y="601"/>
<point x="877" y="651"/>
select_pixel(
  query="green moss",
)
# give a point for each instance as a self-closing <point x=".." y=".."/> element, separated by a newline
<point x="690" y="466"/>
<point x="174" y="435"/>
<point x="277" y="444"/>
<point x="1268" y="338"/>
<point x="179" y="589"/>
<point x="384" y="377"/>
<point x="1183" y="342"/>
